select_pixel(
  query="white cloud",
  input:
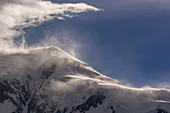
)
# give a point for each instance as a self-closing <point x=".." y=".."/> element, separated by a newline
<point x="165" y="85"/>
<point x="19" y="14"/>
<point x="63" y="40"/>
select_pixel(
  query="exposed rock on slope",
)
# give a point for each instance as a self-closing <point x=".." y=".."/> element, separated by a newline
<point x="48" y="80"/>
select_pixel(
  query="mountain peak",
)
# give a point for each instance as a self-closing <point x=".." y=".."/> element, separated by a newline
<point x="49" y="80"/>
<point x="33" y="61"/>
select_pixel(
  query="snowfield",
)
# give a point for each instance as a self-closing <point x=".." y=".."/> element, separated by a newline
<point x="48" y="80"/>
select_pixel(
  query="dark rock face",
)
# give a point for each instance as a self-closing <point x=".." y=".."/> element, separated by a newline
<point x="20" y="91"/>
<point x="92" y="101"/>
<point x="159" y="110"/>
<point x="48" y="72"/>
<point x="62" y="111"/>
<point x="113" y="111"/>
<point x="41" y="108"/>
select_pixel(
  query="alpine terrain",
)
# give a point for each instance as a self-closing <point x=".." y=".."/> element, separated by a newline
<point x="48" y="80"/>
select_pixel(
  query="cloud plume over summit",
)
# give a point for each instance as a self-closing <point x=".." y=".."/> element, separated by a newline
<point x="19" y="14"/>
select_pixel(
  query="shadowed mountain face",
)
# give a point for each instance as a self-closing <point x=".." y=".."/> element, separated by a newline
<point x="48" y="80"/>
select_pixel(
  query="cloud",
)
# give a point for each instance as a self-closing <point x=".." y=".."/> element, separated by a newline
<point x="165" y="85"/>
<point x="122" y="94"/>
<point x="19" y="14"/>
<point x="62" y="40"/>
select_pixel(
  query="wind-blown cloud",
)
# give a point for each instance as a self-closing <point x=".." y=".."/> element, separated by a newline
<point x="19" y="14"/>
<point x="63" y="40"/>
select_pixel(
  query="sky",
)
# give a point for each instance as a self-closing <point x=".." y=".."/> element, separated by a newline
<point x="128" y="40"/>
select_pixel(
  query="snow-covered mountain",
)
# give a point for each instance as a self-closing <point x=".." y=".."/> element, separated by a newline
<point x="48" y="80"/>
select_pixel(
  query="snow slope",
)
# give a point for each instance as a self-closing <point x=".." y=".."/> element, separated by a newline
<point x="48" y="80"/>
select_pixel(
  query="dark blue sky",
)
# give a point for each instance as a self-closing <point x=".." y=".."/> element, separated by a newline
<point x="129" y="40"/>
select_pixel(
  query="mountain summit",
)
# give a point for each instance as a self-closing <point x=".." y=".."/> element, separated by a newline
<point x="48" y="80"/>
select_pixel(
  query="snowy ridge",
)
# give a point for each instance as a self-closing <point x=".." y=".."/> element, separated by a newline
<point x="48" y="80"/>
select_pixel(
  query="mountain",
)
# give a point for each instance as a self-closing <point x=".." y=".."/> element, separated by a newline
<point x="48" y="80"/>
